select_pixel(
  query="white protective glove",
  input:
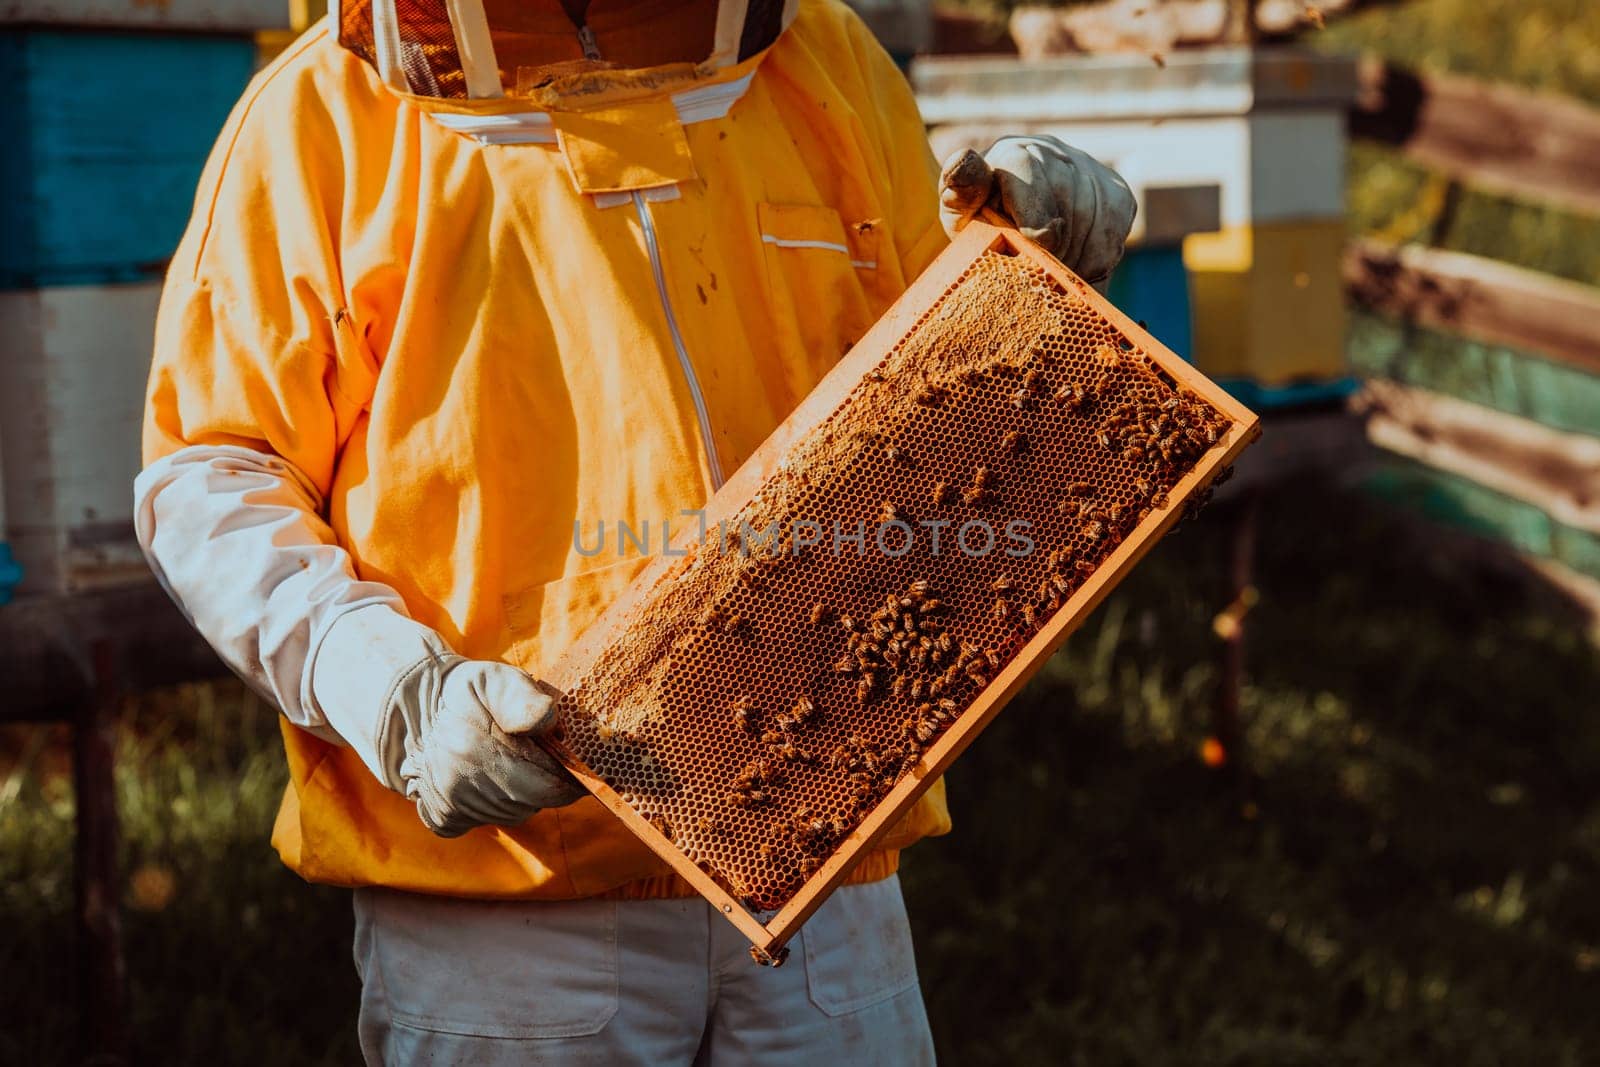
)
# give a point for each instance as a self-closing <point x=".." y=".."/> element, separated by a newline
<point x="1077" y="208"/>
<point x="236" y="537"/>
<point x="453" y="734"/>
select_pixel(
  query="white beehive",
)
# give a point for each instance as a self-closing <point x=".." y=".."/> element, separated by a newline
<point x="73" y="363"/>
<point x="1236" y="153"/>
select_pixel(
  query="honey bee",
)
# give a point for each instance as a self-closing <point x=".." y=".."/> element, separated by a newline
<point x="1107" y="355"/>
<point x="1081" y="489"/>
<point x="919" y="588"/>
<point x="1002" y="585"/>
<point x="1104" y="440"/>
<point x="708" y="826"/>
<point x="982" y="478"/>
<point x="1014" y="442"/>
<point x="793" y="753"/>
<point x="1060" y="584"/>
<point x="1159" y="499"/>
<point x="918" y="688"/>
<point x="924" y="731"/>
<point x="809" y="865"/>
<point x="1030" y="616"/>
<point x="1093" y="530"/>
<point x="992" y="659"/>
<point x="766" y="850"/>
<point x="847" y="622"/>
<point x="662" y="827"/>
<point x="932" y="395"/>
<point x="864" y="689"/>
<point x="931" y="607"/>
<point x="978" y="678"/>
<point x="714" y="619"/>
<point x="820" y="613"/>
<point x="895" y="454"/>
<point x="744" y="713"/>
<point x="1002" y="609"/>
<point x="1084" y="567"/>
<point x="977" y="496"/>
<point x="890" y="513"/>
<point x="845" y="664"/>
<point x="804" y="710"/>
<point x="971" y="375"/>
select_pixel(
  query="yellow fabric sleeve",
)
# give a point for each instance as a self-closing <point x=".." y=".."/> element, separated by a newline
<point x="247" y="345"/>
<point x="907" y="158"/>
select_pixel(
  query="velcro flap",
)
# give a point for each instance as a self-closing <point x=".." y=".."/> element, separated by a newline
<point x="639" y="145"/>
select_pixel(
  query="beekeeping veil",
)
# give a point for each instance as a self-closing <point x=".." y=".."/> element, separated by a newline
<point x="481" y="49"/>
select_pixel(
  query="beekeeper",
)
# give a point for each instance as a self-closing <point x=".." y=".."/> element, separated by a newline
<point x="452" y="285"/>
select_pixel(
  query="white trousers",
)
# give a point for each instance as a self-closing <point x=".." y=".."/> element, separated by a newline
<point x="667" y="983"/>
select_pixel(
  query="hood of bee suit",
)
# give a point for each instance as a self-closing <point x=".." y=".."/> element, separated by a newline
<point x="495" y="56"/>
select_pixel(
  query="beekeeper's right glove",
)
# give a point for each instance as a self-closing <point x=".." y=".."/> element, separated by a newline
<point x="454" y="735"/>
<point x="236" y="537"/>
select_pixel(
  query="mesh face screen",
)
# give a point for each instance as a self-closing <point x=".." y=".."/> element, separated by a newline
<point x="428" y="53"/>
<point x="761" y="698"/>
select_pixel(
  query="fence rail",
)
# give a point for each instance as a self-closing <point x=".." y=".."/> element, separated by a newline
<point x="1478" y="299"/>
<point x="1531" y="484"/>
<point x="1500" y="138"/>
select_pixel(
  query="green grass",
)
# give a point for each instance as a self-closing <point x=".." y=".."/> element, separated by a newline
<point x="1407" y="875"/>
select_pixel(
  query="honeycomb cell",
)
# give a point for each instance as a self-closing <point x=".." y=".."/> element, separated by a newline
<point x="764" y="700"/>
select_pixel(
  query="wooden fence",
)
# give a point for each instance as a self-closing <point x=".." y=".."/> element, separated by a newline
<point x="1485" y="377"/>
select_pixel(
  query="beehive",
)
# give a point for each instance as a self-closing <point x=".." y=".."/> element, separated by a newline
<point x="761" y="708"/>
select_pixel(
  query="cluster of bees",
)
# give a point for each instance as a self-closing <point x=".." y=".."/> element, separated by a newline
<point x="902" y="649"/>
<point x="1172" y="433"/>
<point x="811" y="835"/>
<point x="978" y="494"/>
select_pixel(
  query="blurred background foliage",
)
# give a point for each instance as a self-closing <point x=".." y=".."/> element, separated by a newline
<point x="1400" y="869"/>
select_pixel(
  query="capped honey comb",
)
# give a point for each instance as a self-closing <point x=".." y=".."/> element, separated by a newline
<point x="884" y="574"/>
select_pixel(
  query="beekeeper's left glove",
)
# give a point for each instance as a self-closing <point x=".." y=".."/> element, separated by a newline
<point x="1076" y="207"/>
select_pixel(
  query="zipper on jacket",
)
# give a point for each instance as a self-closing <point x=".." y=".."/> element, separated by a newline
<point x="578" y="12"/>
<point x="689" y="376"/>
<point x="591" y="47"/>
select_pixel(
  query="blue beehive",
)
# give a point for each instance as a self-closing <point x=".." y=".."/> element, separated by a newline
<point x="105" y="139"/>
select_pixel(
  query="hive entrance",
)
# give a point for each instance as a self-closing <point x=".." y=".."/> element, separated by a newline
<point x="971" y="482"/>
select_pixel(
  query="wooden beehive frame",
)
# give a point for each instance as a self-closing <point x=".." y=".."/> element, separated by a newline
<point x="974" y="241"/>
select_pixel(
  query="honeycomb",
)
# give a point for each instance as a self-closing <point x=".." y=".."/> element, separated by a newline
<point x="757" y="701"/>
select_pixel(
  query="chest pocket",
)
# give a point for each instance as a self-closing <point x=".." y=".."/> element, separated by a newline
<point x="820" y="274"/>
